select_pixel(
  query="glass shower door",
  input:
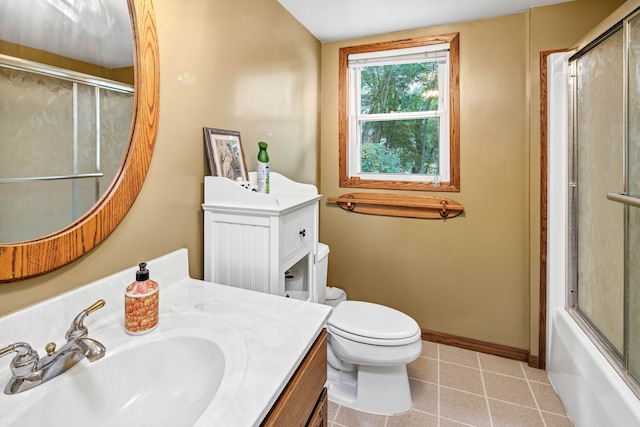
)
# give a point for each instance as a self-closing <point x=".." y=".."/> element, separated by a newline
<point x="633" y="190"/>
<point x="598" y="238"/>
<point x="605" y="195"/>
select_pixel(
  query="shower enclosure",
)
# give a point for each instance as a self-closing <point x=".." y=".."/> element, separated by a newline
<point x="604" y="194"/>
<point x="63" y="138"/>
<point x="593" y="301"/>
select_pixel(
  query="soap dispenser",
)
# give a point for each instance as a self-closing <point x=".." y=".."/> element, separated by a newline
<point x="141" y="301"/>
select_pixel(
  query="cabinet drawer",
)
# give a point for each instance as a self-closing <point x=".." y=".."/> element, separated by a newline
<point x="298" y="229"/>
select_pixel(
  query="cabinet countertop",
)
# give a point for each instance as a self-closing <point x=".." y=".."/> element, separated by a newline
<point x="276" y="332"/>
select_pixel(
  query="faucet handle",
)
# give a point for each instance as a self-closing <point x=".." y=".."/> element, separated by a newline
<point x="6" y="350"/>
<point x="22" y="348"/>
<point x="25" y="361"/>
<point x="77" y="328"/>
<point x="96" y="305"/>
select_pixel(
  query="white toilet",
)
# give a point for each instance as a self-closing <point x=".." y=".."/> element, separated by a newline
<point x="369" y="346"/>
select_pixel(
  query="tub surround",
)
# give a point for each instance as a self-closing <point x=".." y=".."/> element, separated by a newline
<point x="272" y="334"/>
<point x="591" y="390"/>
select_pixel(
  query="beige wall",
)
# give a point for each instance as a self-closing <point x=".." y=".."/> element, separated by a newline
<point x="468" y="275"/>
<point x="124" y="75"/>
<point x="476" y="275"/>
<point x="250" y="67"/>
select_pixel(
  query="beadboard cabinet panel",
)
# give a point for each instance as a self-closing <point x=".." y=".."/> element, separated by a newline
<point x="251" y="240"/>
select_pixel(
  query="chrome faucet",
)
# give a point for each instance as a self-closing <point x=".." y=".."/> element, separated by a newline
<point x="29" y="371"/>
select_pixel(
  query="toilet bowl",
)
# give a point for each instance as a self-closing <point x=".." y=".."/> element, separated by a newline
<point x="368" y="348"/>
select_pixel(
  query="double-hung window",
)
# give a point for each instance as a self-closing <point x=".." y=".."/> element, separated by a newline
<point x="399" y="115"/>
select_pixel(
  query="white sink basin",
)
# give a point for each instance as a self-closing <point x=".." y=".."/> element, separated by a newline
<point x="220" y="356"/>
<point x="170" y="377"/>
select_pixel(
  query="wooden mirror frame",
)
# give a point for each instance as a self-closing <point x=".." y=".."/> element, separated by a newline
<point x="39" y="256"/>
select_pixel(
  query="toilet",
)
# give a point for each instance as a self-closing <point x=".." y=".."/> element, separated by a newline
<point x="369" y="346"/>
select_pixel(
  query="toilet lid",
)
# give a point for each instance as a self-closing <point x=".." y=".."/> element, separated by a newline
<point x="373" y="322"/>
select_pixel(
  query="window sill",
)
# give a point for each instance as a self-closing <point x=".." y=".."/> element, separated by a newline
<point x="355" y="182"/>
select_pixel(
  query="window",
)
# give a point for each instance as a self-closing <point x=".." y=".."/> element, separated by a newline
<point x="399" y="108"/>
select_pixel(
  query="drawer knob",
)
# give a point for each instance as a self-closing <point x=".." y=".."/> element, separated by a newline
<point x="303" y="232"/>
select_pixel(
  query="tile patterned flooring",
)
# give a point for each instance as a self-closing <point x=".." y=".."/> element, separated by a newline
<point x="453" y="387"/>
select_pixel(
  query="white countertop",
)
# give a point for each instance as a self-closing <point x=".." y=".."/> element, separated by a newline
<point x="277" y="333"/>
<point x="223" y="195"/>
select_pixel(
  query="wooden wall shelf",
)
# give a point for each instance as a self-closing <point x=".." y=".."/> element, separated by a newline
<point x="399" y="205"/>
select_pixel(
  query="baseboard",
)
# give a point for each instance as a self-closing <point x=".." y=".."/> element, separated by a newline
<point x="514" y="353"/>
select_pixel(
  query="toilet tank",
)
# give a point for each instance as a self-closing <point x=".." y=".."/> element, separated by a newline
<point x="321" y="272"/>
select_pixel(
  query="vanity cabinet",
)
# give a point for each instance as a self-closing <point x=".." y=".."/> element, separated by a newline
<point x="304" y="400"/>
<point x="251" y="240"/>
<point x="320" y="414"/>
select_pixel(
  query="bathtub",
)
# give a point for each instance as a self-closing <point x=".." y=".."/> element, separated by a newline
<point x="591" y="390"/>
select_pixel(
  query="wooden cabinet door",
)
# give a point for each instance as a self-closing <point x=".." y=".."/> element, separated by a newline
<point x="319" y="417"/>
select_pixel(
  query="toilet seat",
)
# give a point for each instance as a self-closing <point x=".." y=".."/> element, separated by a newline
<point x="374" y="324"/>
<point x="373" y="341"/>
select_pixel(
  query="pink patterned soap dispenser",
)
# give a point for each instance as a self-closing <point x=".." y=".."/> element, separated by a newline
<point x="141" y="302"/>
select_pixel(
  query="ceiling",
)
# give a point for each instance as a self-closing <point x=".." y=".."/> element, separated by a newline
<point x="332" y="20"/>
<point x="98" y="32"/>
<point x="93" y="31"/>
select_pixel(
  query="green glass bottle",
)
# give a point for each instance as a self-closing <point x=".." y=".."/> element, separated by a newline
<point x="263" y="168"/>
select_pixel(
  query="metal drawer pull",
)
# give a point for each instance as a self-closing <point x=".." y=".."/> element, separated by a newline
<point x="303" y="232"/>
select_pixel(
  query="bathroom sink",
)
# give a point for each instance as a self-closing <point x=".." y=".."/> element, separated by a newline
<point x="166" y="378"/>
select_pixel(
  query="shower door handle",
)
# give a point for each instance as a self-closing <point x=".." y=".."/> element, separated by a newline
<point x="624" y="199"/>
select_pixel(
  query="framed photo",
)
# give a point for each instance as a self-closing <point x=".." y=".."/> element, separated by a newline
<point x="224" y="154"/>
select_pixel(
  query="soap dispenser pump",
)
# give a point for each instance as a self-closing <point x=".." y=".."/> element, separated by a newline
<point x="141" y="303"/>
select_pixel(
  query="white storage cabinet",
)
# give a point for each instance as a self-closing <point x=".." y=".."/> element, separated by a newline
<point x="252" y="239"/>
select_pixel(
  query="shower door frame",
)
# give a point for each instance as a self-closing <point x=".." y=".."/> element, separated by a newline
<point x="617" y="361"/>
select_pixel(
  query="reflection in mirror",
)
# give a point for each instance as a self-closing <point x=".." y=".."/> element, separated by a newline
<point x="92" y="22"/>
<point x="62" y="140"/>
<point x="66" y="74"/>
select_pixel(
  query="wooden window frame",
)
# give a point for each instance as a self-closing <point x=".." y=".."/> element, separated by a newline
<point x="453" y="185"/>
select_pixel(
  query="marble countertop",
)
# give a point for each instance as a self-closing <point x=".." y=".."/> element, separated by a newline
<point x="272" y="334"/>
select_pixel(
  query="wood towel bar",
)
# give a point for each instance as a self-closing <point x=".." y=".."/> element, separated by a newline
<point x="399" y="205"/>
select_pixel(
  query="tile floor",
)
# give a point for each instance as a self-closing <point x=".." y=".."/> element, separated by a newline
<point x="453" y="387"/>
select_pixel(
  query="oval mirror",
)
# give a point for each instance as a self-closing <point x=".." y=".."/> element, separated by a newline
<point x="105" y="177"/>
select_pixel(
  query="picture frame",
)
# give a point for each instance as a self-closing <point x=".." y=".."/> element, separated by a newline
<point x="225" y="154"/>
